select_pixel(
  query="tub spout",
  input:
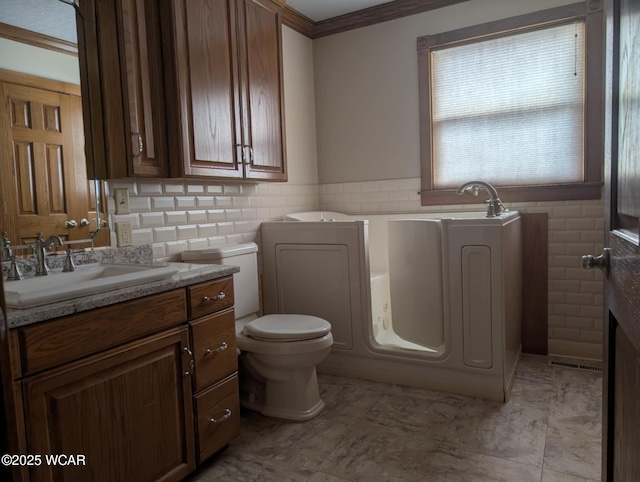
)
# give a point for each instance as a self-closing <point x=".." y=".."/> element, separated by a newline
<point x="494" y="205"/>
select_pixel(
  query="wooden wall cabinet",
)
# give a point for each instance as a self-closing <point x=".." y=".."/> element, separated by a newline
<point x="226" y="61"/>
<point x="145" y="389"/>
<point x="198" y="82"/>
<point x="122" y="84"/>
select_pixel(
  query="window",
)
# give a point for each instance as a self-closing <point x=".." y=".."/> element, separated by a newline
<point x="517" y="103"/>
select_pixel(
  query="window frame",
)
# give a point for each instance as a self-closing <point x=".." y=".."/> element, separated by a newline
<point x="591" y="187"/>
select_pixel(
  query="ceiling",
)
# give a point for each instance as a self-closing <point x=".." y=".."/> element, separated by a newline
<point x="48" y="17"/>
<point x="56" y="19"/>
<point x="318" y="10"/>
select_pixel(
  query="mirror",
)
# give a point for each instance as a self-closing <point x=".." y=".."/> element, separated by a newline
<point x="38" y="40"/>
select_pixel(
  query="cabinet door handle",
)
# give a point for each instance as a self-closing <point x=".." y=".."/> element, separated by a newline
<point x="218" y="297"/>
<point x="227" y="414"/>
<point x="244" y="157"/>
<point x="189" y="372"/>
<point x="140" y="144"/>
<point x="70" y="224"/>
<point x="222" y="347"/>
<point x="251" y="154"/>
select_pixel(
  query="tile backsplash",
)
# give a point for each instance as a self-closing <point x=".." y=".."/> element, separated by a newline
<point x="176" y="215"/>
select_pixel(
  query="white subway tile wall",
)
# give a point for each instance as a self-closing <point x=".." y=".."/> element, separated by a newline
<point x="575" y="228"/>
<point x="178" y="215"/>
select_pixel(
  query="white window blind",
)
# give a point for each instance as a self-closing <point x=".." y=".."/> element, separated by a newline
<point x="509" y="110"/>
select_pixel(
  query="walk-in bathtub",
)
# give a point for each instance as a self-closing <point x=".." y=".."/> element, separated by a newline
<point x="418" y="299"/>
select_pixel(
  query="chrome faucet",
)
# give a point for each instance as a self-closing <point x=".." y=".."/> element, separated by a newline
<point x="42" y="269"/>
<point x="494" y="205"/>
<point x="6" y="247"/>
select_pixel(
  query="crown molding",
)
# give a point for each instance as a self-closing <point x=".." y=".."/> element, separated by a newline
<point x="37" y="39"/>
<point x="298" y="22"/>
<point x="361" y="18"/>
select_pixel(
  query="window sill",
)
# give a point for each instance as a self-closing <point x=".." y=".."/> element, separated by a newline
<point x="555" y="192"/>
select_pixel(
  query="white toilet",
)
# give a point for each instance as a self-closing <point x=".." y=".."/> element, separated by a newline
<point x="279" y="352"/>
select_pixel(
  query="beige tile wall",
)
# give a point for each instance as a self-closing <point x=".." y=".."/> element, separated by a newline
<point x="575" y="228"/>
<point x="177" y="215"/>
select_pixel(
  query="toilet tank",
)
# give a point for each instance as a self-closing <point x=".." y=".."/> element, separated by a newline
<point x="245" y="282"/>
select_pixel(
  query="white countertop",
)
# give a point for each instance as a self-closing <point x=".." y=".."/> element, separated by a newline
<point x="188" y="274"/>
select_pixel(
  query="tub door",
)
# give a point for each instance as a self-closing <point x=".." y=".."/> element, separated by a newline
<point x="316" y="279"/>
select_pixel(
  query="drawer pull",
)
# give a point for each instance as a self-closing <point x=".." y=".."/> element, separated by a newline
<point x="189" y="372"/>
<point x="227" y="414"/>
<point x="222" y="347"/>
<point x="218" y="297"/>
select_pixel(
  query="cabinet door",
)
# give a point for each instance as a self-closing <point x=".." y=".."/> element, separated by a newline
<point x="120" y="57"/>
<point x="203" y="47"/>
<point x="263" y="97"/>
<point x="142" y="57"/>
<point x="129" y="412"/>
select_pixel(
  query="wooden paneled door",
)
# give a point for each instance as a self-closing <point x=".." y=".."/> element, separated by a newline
<point x="621" y="427"/>
<point x="42" y="164"/>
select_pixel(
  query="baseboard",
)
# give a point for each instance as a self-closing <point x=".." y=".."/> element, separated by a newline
<point x="572" y="349"/>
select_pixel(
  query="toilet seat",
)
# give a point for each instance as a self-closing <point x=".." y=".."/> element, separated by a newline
<point x="286" y="328"/>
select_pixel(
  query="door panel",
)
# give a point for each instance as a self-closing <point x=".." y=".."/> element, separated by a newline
<point x="45" y="170"/>
<point x="621" y="404"/>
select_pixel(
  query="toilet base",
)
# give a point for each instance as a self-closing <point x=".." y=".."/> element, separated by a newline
<point x="291" y="395"/>
<point x="296" y="416"/>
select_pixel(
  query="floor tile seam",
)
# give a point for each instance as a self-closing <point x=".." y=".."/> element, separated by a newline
<point x="493" y="455"/>
<point x="450" y="449"/>
<point x="402" y="397"/>
<point x="544" y="450"/>
<point x="274" y="464"/>
<point x="557" y="422"/>
<point x="451" y="424"/>
<point x="571" y="474"/>
<point x="411" y="435"/>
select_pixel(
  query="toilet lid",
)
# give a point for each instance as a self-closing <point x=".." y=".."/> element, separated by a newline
<point x="287" y="328"/>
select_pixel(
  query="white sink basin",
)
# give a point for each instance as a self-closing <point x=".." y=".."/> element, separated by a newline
<point x="88" y="279"/>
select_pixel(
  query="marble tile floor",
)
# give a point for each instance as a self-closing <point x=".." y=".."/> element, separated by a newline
<point x="548" y="431"/>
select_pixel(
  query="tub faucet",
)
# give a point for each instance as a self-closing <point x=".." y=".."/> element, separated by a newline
<point x="42" y="269"/>
<point x="494" y="205"/>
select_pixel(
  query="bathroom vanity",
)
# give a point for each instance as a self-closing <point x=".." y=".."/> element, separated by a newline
<point x="137" y="383"/>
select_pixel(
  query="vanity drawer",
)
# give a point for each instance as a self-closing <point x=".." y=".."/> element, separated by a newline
<point x="49" y="344"/>
<point x="210" y="297"/>
<point x="214" y="348"/>
<point x="218" y="417"/>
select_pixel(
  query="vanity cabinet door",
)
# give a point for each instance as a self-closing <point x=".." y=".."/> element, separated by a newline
<point x="128" y="411"/>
